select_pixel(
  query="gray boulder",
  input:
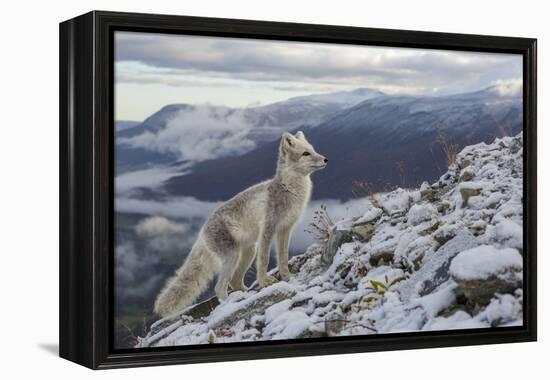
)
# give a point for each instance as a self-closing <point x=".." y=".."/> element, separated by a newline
<point x="484" y="271"/>
<point x="335" y="241"/>
<point x="435" y="271"/>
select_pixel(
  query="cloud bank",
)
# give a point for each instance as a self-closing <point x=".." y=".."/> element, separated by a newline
<point x="201" y="133"/>
<point x="181" y="60"/>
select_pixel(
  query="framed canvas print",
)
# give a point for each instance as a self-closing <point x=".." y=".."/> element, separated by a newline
<point x="237" y="189"/>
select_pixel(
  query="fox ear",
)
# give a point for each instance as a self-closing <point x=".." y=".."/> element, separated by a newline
<point x="300" y="135"/>
<point x="288" y="140"/>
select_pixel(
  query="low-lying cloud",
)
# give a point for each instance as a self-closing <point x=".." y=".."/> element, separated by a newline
<point x="176" y="207"/>
<point x="200" y="133"/>
<point x="157" y="226"/>
<point x="191" y="208"/>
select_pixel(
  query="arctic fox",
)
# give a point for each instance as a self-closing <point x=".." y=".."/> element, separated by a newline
<point x="243" y="228"/>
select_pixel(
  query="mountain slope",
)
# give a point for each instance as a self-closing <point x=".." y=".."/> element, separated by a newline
<point x="444" y="256"/>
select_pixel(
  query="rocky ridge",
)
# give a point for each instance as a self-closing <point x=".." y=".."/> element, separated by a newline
<point x="445" y="256"/>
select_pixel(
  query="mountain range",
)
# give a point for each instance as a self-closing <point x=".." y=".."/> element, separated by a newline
<point x="369" y="137"/>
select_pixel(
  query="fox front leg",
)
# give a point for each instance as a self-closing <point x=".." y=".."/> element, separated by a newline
<point x="262" y="259"/>
<point x="283" y="237"/>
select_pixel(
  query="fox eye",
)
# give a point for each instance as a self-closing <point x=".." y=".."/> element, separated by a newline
<point x="306" y="154"/>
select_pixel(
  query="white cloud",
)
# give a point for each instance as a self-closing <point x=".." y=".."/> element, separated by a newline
<point x="189" y="208"/>
<point x="158" y="226"/>
<point x="150" y="177"/>
<point x="177" y="207"/>
<point x="176" y="60"/>
<point x="510" y="87"/>
<point x="201" y="133"/>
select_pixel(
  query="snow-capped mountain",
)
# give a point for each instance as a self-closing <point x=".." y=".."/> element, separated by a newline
<point x="152" y="139"/>
<point x="121" y="125"/>
<point x="440" y="257"/>
<point x="347" y="98"/>
<point x="385" y="141"/>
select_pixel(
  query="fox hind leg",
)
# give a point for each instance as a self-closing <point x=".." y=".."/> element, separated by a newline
<point x="245" y="261"/>
<point x="227" y="268"/>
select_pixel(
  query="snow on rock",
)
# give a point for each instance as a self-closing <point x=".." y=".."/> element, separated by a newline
<point x="370" y="215"/>
<point x="421" y="212"/>
<point x="437" y="301"/>
<point x="445" y="256"/>
<point x="485" y="261"/>
<point x="397" y="201"/>
<point x="235" y="310"/>
<point x="486" y="271"/>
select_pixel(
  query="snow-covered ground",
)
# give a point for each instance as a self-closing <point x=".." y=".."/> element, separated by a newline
<point x="444" y="256"/>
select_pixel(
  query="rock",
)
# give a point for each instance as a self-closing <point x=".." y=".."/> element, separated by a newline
<point x="364" y="226"/>
<point x="203" y="309"/>
<point x="344" y="269"/>
<point x="420" y="213"/>
<point x="445" y="233"/>
<point x="162" y="325"/>
<point x="335" y="241"/>
<point x="364" y="231"/>
<point x="395" y="203"/>
<point x="251" y="305"/>
<point x="464" y="163"/>
<point x="443" y="207"/>
<point x="469" y="189"/>
<point x="334" y="323"/>
<point x="484" y="271"/>
<point x="517" y="145"/>
<point x="427" y="193"/>
<point x="435" y="271"/>
<point x="466" y="193"/>
<point x="296" y="262"/>
<point x="381" y="256"/>
<point x="418" y="249"/>
<point x="466" y="176"/>
<point x="478" y="228"/>
<point x="200" y="310"/>
<point x="307" y="334"/>
<point x="430" y="229"/>
<point x="371" y="216"/>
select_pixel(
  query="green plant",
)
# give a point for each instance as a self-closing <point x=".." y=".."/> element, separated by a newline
<point x="378" y="288"/>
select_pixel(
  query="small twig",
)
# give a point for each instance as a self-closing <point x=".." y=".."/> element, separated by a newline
<point x="355" y="324"/>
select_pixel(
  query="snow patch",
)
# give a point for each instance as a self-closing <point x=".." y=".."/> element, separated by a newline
<point x="484" y="261"/>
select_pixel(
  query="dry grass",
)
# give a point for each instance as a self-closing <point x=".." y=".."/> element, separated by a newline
<point x="450" y="150"/>
<point x="401" y="171"/>
<point x="322" y="225"/>
<point x="131" y="338"/>
<point x="361" y="189"/>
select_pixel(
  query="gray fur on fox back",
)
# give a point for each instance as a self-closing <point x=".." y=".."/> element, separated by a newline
<point x="243" y="228"/>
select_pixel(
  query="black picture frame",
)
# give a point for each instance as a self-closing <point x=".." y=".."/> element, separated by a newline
<point x="86" y="188"/>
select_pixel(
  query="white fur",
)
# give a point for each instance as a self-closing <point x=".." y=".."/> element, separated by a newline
<point x="243" y="228"/>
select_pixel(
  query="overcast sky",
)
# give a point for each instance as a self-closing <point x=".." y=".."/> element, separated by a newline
<point x="152" y="70"/>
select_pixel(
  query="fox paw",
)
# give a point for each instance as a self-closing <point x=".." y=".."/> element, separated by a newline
<point x="285" y="275"/>
<point x="221" y="294"/>
<point x="239" y="286"/>
<point x="266" y="281"/>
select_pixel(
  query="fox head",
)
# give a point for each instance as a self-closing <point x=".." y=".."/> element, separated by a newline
<point x="297" y="154"/>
